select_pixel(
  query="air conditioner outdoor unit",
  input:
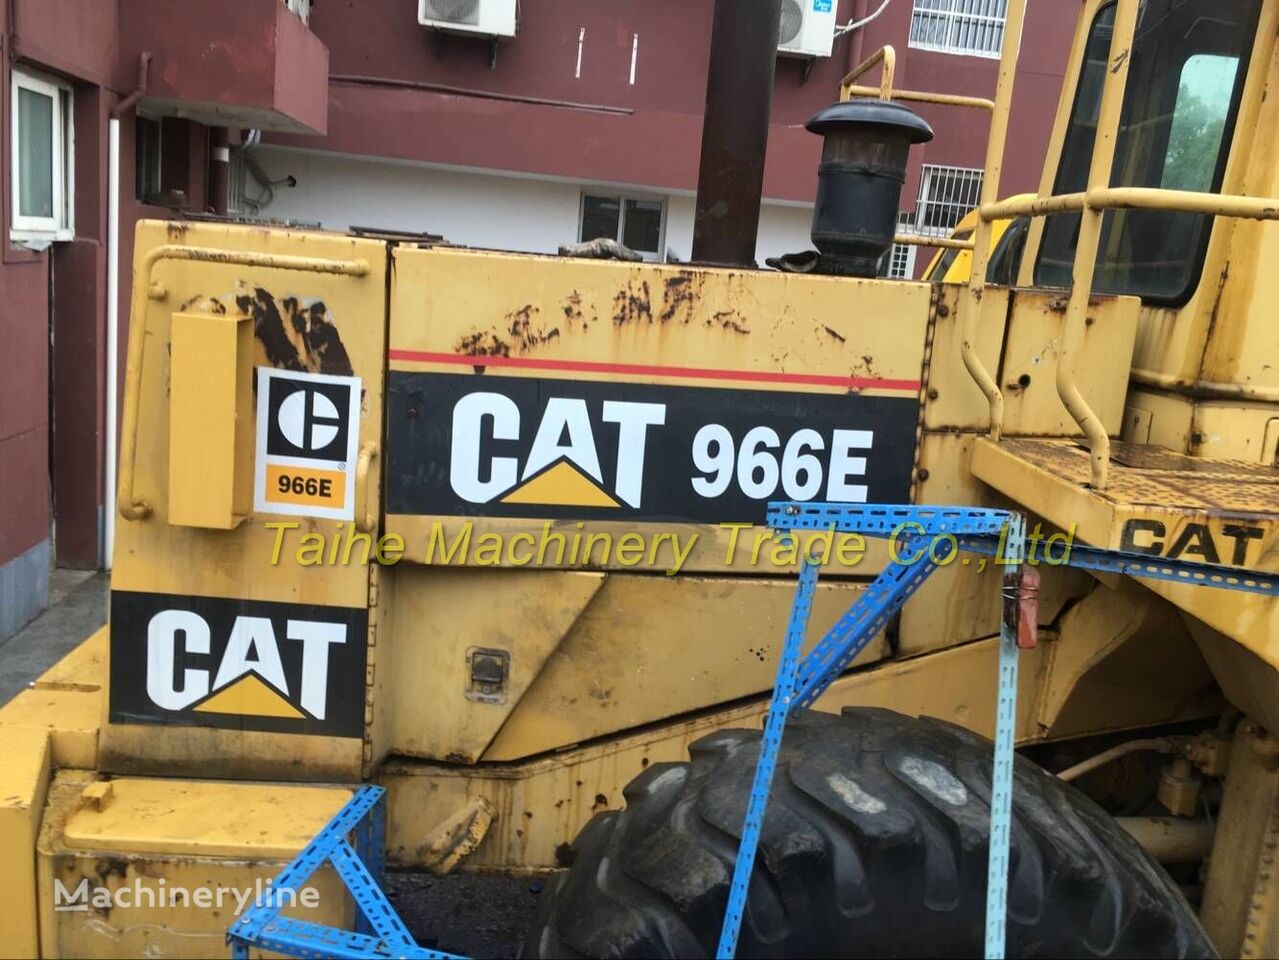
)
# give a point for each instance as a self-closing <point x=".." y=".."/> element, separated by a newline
<point x="491" y="18"/>
<point x="808" y="28"/>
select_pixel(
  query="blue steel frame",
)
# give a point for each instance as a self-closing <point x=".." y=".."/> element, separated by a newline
<point x="354" y="842"/>
<point x="929" y="535"/>
<point x="379" y="931"/>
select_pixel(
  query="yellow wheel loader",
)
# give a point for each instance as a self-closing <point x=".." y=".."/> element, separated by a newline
<point x="486" y="530"/>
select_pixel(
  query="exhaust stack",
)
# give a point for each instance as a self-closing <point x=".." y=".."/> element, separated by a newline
<point x="739" y="98"/>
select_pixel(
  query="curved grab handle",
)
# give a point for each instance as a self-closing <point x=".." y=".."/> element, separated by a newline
<point x="366" y="520"/>
<point x="129" y="507"/>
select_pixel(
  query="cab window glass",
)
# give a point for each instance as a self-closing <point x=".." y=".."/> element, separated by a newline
<point x="1198" y="120"/>
<point x="1189" y="61"/>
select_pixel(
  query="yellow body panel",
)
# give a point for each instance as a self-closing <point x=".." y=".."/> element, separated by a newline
<point x="208" y="819"/>
<point x="151" y="839"/>
<point x="542" y="804"/>
<point x="236" y="564"/>
<point x="210" y="468"/>
<point x="69" y="712"/>
<point x="503" y="315"/>
<point x="24" y="778"/>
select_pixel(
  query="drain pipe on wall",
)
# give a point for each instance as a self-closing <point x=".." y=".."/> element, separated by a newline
<point x="113" y="302"/>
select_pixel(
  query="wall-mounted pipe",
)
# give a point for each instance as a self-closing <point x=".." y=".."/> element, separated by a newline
<point x="219" y="170"/>
<point x="113" y="304"/>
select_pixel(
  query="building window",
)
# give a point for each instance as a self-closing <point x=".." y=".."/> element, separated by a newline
<point x="636" y="222"/>
<point x="946" y="194"/>
<point x="148" y="156"/>
<point x="900" y="262"/>
<point x="41" y="158"/>
<point x="973" y="27"/>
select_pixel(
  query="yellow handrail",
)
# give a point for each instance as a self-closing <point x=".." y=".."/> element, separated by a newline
<point x="1032" y="206"/>
<point x="129" y="506"/>
<point x="1148" y="198"/>
<point x="885" y="55"/>
<point x="1103" y="161"/>
<point x="1091" y="205"/>
<point x="1136" y="198"/>
<point x="945" y="99"/>
<point x="995" y="145"/>
<point x="919" y="240"/>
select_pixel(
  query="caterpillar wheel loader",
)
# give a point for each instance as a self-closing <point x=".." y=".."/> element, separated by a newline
<point x="486" y="530"/>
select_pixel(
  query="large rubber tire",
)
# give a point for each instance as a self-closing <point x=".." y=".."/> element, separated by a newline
<point x="874" y="845"/>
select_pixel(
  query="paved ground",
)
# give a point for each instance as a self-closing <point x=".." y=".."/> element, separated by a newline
<point x="464" y="914"/>
<point x="77" y="607"/>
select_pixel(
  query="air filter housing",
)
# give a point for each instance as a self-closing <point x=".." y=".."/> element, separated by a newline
<point x="859" y="182"/>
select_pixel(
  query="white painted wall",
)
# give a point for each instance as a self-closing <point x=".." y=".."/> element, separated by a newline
<point x="476" y="209"/>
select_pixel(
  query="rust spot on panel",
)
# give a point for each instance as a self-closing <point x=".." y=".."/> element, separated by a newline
<point x="836" y="335"/>
<point x="526" y="334"/>
<point x="521" y="333"/>
<point x="456" y="757"/>
<point x="728" y="320"/>
<point x="295" y="334"/>
<point x="484" y="343"/>
<point x="323" y="345"/>
<point x="1215" y="315"/>
<point x="632" y="304"/>
<point x="107" y="867"/>
<point x="679" y="296"/>
<point x="176" y="229"/>
<point x="573" y="309"/>
<point x="202" y="304"/>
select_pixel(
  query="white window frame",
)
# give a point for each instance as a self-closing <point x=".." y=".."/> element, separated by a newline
<point x="901" y="258"/>
<point x="655" y="257"/>
<point x="970" y="26"/>
<point x="60" y="226"/>
<point x="927" y="186"/>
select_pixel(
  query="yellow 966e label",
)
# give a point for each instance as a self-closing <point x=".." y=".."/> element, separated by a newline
<point x="305" y="487"/>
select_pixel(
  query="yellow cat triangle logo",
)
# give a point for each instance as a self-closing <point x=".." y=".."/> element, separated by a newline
<point x="250" y="696"/>
<point x="562" y="485"/>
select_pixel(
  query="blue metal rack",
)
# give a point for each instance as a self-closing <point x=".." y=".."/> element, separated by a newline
<point x="354" y="841"/>
<point x="379" y="931"/>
